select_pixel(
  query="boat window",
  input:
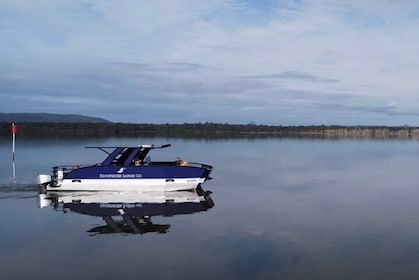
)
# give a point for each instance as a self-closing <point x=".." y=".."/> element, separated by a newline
<point x="147" y="160"/>
<point x="123" y="155"/>
<point x="139" y="157"/>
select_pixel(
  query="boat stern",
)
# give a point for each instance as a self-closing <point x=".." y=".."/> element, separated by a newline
<point x="44" y="179"/>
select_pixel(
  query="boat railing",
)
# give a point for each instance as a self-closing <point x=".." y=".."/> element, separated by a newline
<point x="69" y="168"/>
<point x="196" y="164"/>
<point x="179" y="163"/>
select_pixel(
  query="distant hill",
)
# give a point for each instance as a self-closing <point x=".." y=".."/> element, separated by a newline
<point x="48" y="118"/>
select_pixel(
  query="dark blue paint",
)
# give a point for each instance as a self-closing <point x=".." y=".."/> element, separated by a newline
<point x="144" y="172"/>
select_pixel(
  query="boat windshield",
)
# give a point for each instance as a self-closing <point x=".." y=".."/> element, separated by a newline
<point x="120" y="158"/>
<point x="128" y="155"/>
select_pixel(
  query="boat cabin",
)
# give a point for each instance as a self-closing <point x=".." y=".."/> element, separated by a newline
<point x="128" y="156"/>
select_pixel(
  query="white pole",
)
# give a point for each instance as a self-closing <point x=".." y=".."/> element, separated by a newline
<point x="13" y="149"/>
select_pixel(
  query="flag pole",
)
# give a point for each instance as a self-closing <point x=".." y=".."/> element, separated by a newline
<point x="14" y="129"/>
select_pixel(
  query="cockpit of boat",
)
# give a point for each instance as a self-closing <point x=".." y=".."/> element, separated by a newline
<point x="129" y="156"/>
<point x="136" y="156"/>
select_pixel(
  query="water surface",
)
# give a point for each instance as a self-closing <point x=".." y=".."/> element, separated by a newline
<point x="284" y="209"/>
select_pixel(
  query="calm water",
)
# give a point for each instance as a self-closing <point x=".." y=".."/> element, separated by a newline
<point x="284" y="209"/>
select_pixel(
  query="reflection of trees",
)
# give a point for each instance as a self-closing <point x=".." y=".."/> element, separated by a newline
<point x="201" y="130"/>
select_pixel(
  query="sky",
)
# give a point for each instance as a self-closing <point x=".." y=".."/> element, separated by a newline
<point x="275" y="62"/>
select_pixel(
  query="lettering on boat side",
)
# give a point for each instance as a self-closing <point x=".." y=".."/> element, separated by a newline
<point x="119" y="176"/>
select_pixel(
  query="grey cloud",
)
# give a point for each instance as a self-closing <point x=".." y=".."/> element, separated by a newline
<point x="176" y="92"/>
<point x="131" y="83"/>
<point x="293" y="75"/>
<point x="354" y="106"/>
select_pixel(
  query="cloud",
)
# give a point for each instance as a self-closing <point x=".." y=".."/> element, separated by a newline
<point x="225" y="60"/>
<point x="294" y="75"/>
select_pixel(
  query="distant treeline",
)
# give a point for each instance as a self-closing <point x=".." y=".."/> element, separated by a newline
<point x="201" y="130"/>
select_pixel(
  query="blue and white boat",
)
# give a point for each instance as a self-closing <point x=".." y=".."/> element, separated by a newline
<point x="128" y="169"/>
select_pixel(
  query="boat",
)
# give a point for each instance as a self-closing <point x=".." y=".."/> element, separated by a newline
<point x="128" y="212"/>
<point x="127" y="169"/>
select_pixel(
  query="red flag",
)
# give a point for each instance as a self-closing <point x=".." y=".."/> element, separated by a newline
<point x="14" y="128"/>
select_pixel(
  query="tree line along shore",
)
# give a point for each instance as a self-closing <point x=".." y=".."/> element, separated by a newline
<point x="201" y="130"/>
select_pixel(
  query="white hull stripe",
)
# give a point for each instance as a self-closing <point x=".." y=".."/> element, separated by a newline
<point x="128" y="185"/>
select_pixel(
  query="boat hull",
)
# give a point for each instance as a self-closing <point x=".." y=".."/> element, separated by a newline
<point x="178" y="184"/>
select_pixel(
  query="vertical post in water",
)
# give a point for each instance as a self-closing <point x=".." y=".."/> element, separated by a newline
<point x="14" y="130"/>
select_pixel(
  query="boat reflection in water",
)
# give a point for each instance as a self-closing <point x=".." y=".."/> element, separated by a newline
<point x="129" y="212"/>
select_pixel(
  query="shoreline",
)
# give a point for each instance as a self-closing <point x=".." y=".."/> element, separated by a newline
<point x="204" y="130"/>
